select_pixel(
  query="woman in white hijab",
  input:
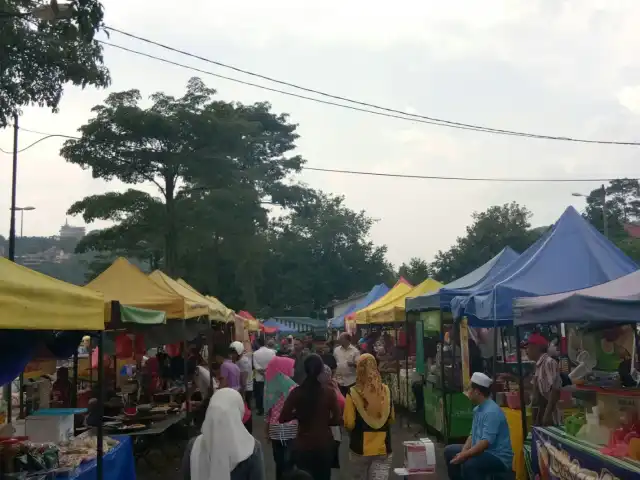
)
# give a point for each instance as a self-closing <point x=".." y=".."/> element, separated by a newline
<point x="225" y="450"/>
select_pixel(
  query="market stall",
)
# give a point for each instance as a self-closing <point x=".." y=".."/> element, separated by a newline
<point x="570" y="255"/>
<point x="32" y="301"/>
<point x="396" y="348"/>
<point x="444" y="401"/>
<point x="604" y="435"/>
<point x="338" y="322"/>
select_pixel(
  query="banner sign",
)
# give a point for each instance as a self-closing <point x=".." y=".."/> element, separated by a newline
<point x="557" y="457"/>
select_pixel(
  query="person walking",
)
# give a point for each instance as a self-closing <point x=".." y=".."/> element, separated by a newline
<point x="488" y="450"/>
<point x="346" y="356"/>
<point x="261" y="358"/>
<point x="278" y="386"/>
<point x="368" y="415"/>
<point x="316" y="409"/>
<point x="300" y="353"/>
<point x="242" y="360"/>
<point x="224" y="450"/>
<point x="327" y="380"/>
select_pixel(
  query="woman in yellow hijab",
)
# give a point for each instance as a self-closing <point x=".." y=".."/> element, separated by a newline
<point x="368" y="414"/>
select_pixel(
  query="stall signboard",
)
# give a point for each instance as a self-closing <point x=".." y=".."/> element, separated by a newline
<point x="557" y="456"/>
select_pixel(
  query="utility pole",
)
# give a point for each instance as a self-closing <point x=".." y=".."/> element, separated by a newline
<point x="12" y="242"/>
<point x="605" y="227"/>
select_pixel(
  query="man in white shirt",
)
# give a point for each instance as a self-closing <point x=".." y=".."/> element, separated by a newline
<point x="261" y="359"/>
<point x="346" y="358"/>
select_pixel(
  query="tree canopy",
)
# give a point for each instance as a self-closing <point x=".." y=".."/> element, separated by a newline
<point x="216" y="168"/>
<point x="37" y="58"/>
<point x="416" y="271"/>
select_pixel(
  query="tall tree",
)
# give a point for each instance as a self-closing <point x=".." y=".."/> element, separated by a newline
<point x="38" y="57"/>
<point x="492" y="230"/>
<point x="211" y="162"/>
<point x="622" y="206"/>
<point x="416" y="271"/>
<point x="318" y="252"/>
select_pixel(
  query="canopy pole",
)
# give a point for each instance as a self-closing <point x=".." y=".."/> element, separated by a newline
<point x="21" y="390"/>
<point x="445" y="419"/>
<point x="523" y="406"/>
<point x="494" y="367"/>
<point x="406" y="364"/>
<point x="101" y="394"/>
<point x="74" y="385"/>
<point x="186" y="367"/>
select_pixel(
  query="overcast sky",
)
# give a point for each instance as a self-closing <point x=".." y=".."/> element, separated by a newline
<point x="565" y="68"/>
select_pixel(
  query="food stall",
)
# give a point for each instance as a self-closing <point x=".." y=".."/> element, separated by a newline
<point x="570" y="255"/>
<point x="338" y="322"/>
<point x="387" y="333"/>
<point x="604" y="435"/>
<point x="34" y="303"/>
<point x="446" y="409"/>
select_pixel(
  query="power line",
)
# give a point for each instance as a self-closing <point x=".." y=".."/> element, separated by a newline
<point x="376" y="174"/>
<point x="432" y="120"/>
<point x="290" y="94"/>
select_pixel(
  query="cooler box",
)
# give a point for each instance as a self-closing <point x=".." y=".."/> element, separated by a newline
<point x="51" y="425"/>
<point x="420" y="456"/>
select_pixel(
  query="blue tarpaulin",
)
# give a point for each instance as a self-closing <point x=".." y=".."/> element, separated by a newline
<point x="374" y="294"/>
<point x="463" y="285"/>
<point x="281" y="327"/>
<point x="569" y="256"/>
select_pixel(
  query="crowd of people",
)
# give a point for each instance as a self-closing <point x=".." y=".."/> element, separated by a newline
<point x="309" y="399"/>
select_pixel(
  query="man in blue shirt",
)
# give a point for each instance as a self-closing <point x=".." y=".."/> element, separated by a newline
<point x="488" y="450"/>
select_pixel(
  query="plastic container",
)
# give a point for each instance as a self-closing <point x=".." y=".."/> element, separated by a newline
<point x="513" y="400"/>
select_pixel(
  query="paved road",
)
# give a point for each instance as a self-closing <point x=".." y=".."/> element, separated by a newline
<point x="169" y="468"/>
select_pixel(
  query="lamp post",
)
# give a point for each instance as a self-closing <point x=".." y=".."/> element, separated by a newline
<point x="605" y="228"/>
<point x="22" y="210"/>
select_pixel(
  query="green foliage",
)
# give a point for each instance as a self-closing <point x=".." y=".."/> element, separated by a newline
<point x="211" y="161"/>
<point x="318" y="252"/>
<point x="622" y="208"/>
<point x="416" y="271"/>
<point x="38" y="58"/>
<point x="492" y="230"/>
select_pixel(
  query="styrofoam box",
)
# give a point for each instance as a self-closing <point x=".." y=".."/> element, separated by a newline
<point x="420" y="456"/>
<point x="51" y="425"/>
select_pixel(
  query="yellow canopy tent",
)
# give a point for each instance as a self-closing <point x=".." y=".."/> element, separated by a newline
<point x="30" y="300"/>
<point x="230" y="314"/>
<point x="195" y="305"/>
<point x="127" y="284"/>
<point x="398" y="291"/>
<point x="393" y="311"/>
<point x="218" y="312"/>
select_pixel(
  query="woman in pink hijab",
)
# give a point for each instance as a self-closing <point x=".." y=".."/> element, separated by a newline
<point x="278" y="385"/>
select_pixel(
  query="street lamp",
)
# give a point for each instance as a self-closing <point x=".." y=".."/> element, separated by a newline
<point x="22" y="210"/>
<point x="605" y="228"/>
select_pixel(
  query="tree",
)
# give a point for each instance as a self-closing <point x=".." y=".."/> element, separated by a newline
<point x="492" y="230"/>
<point x="622" y="206"/>
<point x="212" y="164"/>
<point x="318" y="252"/>
<point x="37" y="58"/>
<point x="416" y="271"/>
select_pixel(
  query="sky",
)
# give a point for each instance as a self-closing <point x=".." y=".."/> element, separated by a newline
<point x="562" y="68"/>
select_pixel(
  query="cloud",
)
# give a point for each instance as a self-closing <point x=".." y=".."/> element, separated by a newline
<point x="566" y="68"/>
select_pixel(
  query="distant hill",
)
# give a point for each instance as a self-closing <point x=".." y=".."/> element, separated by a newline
<point x="52" y="256"/>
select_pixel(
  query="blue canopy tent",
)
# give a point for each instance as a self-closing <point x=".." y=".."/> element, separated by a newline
<point x="569" y="256"/>
<point x="281" y="327"/>
<point x="374" y="294"/>
<point x="442" y="298"/>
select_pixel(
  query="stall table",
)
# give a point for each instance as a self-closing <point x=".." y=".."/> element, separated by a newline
<point x="118" y="464"/>
<point x="556" y="455"/>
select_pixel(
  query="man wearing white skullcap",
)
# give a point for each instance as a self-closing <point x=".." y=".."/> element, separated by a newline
<point x="488" y="450"/>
